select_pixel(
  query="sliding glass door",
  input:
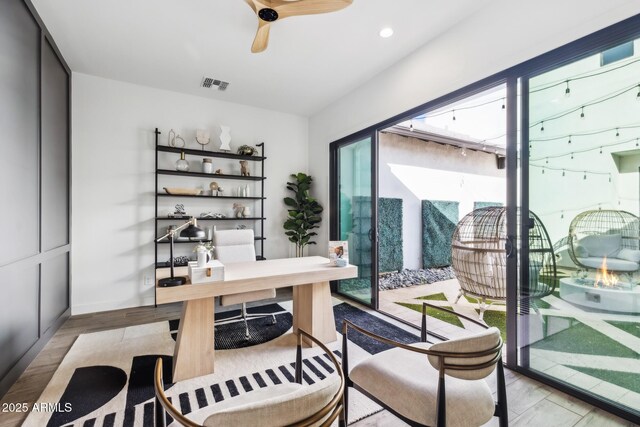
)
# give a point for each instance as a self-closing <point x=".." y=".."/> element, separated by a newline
<point x="354" y="214"/>
<point x="579" y="310"/>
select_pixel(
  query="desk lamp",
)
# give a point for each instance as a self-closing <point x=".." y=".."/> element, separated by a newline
<point x="191" y="231"/>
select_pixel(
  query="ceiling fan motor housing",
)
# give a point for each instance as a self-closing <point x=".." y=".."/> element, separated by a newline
<point x="268" y="15"/>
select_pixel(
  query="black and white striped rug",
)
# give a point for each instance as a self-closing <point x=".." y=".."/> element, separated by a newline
<point x="106" y="378"/>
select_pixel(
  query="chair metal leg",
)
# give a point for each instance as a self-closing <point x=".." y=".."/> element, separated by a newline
<point x="501" y="407"/>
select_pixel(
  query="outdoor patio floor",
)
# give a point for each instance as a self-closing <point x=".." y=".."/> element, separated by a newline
<point x="558" y="364"/>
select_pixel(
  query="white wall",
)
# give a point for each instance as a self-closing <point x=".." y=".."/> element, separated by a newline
<point x="113" y="179"/>
<point x="500" y="36"/>
<point x="415" y="170"/>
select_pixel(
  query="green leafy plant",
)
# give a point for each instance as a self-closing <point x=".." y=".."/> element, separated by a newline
<point x="304" y="213"/>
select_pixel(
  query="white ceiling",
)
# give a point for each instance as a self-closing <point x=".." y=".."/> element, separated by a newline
<point x="311" y="60"/>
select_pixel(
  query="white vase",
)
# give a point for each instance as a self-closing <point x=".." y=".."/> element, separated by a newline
<point x="225" y="138"/>
<point x="203" y="258"/>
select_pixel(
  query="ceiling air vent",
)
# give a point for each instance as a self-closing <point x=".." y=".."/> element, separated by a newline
<point x="210" y="83"/>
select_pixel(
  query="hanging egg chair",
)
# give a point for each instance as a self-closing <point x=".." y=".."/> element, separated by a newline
<point x="598" y="234"/>
<point x="479" y="259"/>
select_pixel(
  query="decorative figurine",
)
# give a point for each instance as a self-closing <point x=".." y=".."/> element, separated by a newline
<point x="247" y="150"/>
<point x="203" y="137"/>
<point x="244" y="168"/>
<point x="239" y="210"/>
<point x="225" y="138"/>
<point x="214" y="187"/>
<point x="218" y="172"/>
<point x="180" y="210"/>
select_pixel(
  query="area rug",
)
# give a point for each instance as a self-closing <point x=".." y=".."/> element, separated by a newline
<point x="106" y="378"/>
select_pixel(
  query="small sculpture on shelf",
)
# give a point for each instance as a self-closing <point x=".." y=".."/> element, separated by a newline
<point x="179" y="212"/>
<point x="211" y="215"/>
<point x="218" y="172"/>
<point x="225" y="138"/>
<point x="175" y="140"/>
<point x="182" y="164"/>
<point x="214" y="188"/>
<point x="244" y="168"/>
<point x="247" y="150"/>
<point x="240" y="211"/>
<point x="179" y="261"/>
<point x="203" y="137"/>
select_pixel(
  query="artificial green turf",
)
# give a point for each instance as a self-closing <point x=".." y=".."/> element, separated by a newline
<point x="497" y="319"/>
<point x="582" y="339"/>
<point x="628" y="380"/>
<point x="434" y="297"/>
<point x="438" y="314"/>
<point x="631" y="327"/>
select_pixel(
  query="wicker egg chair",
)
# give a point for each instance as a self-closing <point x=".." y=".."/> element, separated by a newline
<point x="596" y="234"/>
<point x="479" y="259"/>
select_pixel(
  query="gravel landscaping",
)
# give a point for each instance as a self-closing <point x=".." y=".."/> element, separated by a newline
<point x="406" y="278"/>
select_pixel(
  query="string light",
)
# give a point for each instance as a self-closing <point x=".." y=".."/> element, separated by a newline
<point x="542" y="171"/>
<point x="411" y="126"/>
<point x="503" y="106"/>
<point x="567" y="91"/>
<point x="609" y="177"/>
<point x="591" y="133"/>
<point x="617" y="132"/>
<point x="581" y="77"/>
<point x="561" y="214"/>
<point x="638" y="95"/>
<point x="571" y="156"/>
<point x="563" y="172"/>
<point x="600" y="150"/>
<point x="463" y="152"/>
<point x="569" y="139"/>
<point x="547" y="161"/>
<point x="585" y="175"/>
<point x="586" y="150"/>
<point x="454" y="114"/>
<point x="542" y="127"/>
<point x="582" y="112"/>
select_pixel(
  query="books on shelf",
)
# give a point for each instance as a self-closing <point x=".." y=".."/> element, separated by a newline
<point x="339" y="253"/>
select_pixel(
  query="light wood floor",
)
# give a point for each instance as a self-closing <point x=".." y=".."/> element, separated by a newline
<point x="530" y="403"/>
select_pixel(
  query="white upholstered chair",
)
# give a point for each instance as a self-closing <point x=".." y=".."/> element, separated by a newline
<point x="239" y="246"/>
<point x="292" y="404"/>
<point x="410" y="380"/>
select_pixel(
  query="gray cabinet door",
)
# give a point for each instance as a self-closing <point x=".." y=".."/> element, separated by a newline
<point x="19" y="125"/>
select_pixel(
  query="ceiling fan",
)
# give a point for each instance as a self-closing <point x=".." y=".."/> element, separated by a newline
<point x="269" y="11"/>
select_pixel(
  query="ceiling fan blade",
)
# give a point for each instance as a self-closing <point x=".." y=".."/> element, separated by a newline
<point x="262" y="37"/>
<point x="252" y="5"/>
<point x="309" y="7"/>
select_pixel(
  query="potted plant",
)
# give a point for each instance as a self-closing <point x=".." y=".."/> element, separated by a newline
<point x="304" y="213"/>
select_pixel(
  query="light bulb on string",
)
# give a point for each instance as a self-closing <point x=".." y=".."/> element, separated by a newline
<point x="542" y="171"/>
<point x="636" y="142"/>
<point x="411" y="126"/>
<point x="638" y="95"/>
<point x="617" y="132"/>
<point x="561" y="214"/>
<point x="600" y="150"/>
<point x="585" y="175"/>
<point x="563" y="173"/>
<point x="582" y="112"/>
<point x="567" y="91"/>
<point x="503" y="106"/>
<point x="454" y="114"/>
<point x="609" y="177"/>
<point x="547" y="160"/>
<point x="571" y="156"/>
<point x="569" y="141"/>
<point x="542" y="126"/>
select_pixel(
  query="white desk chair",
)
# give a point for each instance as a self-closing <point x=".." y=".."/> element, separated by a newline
<point x="239" y="246"/>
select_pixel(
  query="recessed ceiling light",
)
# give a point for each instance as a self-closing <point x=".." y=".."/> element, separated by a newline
<point x="386" y="32"/>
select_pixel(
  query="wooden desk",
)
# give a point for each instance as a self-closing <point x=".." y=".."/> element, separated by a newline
<point x="312" y="309"/>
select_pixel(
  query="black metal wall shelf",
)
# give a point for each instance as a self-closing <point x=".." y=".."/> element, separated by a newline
<point x="257" y="238"/>
<point x="249" y="218"/>
<point x="211" y="197"/>
<point x="203" y="153"/>
<point x="166" y="264"/>
<point x="259" y="198"/>
<point x="209" y="175"/>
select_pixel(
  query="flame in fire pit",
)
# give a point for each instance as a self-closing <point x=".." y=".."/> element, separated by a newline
<point x="605" y="278"/>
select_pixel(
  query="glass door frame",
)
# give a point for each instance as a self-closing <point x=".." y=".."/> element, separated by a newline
<point x="334" y="203"/>
<point x="517" y="171"/>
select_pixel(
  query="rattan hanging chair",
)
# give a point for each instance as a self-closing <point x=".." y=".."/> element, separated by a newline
<point x="596" y="234"/>
<point x="479" y="259"/>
